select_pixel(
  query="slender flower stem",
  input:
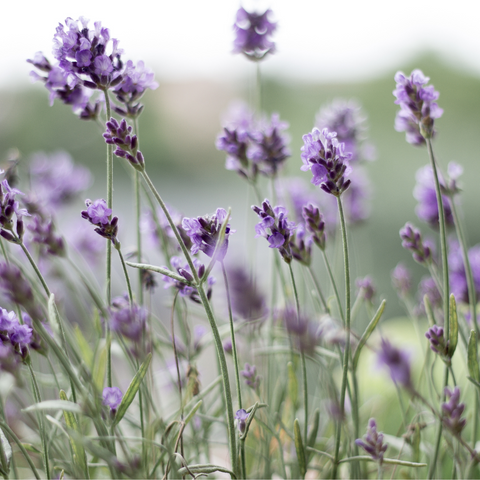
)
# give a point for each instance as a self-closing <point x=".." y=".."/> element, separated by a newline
<point x="302" y="356"/>
<point x="211" y="318"/>
<point x="334" y="285"/>
<point x="318" y="289"/>
<point x="346" y="355"/>
<point x="138" y="211"/>
<point x="258" y="89"/>
<point x="127" y="278"/>
<point x="35" y="267"/>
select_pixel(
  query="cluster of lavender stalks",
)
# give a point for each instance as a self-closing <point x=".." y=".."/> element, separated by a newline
<point x="96" y="385"/>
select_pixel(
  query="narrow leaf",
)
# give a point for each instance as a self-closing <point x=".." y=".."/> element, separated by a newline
<point x="54" y="320"/>
<point x="299" y="448"/>
<point x="31" y="448"/>
<point x="416" y="444"/>
<point x="132" y="390"/>
<point x="5" y="452"/>
<point x="472" y="356"/>
<point x="205" y="469"/>
<point x="292" y="384"/>
<point x="429" y="310"/>
<point x="78" y="450"/>
<point x="163" y="271"/>
<point x="368" y="331"/>
<point x="84" y="347"/>
<point x="249" y="420"/>
<point x="453" y="333"/>
<point x="193" y="412"/>
<point x="100" y="367"/>
<point x="55" y="405"/>
<point x="312" y="437"/>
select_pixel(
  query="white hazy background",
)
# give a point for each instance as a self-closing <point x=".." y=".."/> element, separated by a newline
<point x="316" y="40"/>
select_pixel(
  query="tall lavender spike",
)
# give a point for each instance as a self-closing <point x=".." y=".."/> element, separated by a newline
<point x="315" y="225"/>
<point x="438" y="343"/>
<point x="452" y="411"/>
<point x="326" y="157"/>
<point x="412" y="240"/>
<point x="418" y="107"/>
<point x="397" y="362"/>
<point x="372" y="442"/>
<point x="98" y="214"/>
<point x="253" y="32"/>
<point x="251" y="377"/>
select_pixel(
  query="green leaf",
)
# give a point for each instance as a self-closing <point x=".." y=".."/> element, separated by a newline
<point x="31" y="448"/>
<point x="55" y="405"/>
<point x="368" y="331"/>
<point x="416" y="443"/>
<point x="429" y="310"/>
<point x="312" y="437"/>
<point x="84" y="347"/>
<point x="100" y="367"/>
<point x="251" y="413"/>
<point x="193" y="412"/>
<point x="472" y="356"/>
<point x="132" y="390"/>
<point x="163" y="271"/>
<point x="54" y="319"/>
<point x="78" y="450"/>
<point x="5" y="452"/>
<point x="299" y="448"/>
<point x="205" y="469"/>
<point x="292" y="384"/>
<point x="453" y="321"/>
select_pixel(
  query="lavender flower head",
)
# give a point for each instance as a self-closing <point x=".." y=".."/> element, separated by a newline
<point x="43" y="234"/>
<point x="98" y="214"/>
<point x="120" y="135"/>
<point x="304" y="333"/>
<point x="126" y="319"/>
<point x="301" y="245"/>
<point x="452" y="411"/>
<point x="372" y="442"/>
<point x="275" y="227"/>
<point x="346" y="118"/>
<point x="326" y="157"/>
<point x="412" y="240"/>
<point x="397" y="362"/>
<point x="253" y="32"/>
<point x="401" y="279"/>
<point x="241" y="416"/>
<point x="9" y="207"/>
<point x="204" y="232"/>
<point x="250" y="375"/>
<point x="315" y="225"/>
<point x="429" y="288"/>
<point x="56" y="179"/>
<point x="418" y="107"/>
<point x="112" y="397"/>
<point x="438" y="344"/>
<point x="424" y="192"/>
<point x="366" y="288"/>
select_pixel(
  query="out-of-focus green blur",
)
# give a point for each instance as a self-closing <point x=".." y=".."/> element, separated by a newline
<point x="181" y="121"/>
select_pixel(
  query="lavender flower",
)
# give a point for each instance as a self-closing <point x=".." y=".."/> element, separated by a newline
<point x="250" y="374"/>
<point x="437" y="340"/>
<point x="304" y="333"/>
<point x="135" y="81"/>
<point x="8" y="207"/>
<point x="43" y="234"/>
<point x="8" y="321"/>
<point x="326" y="157"/>
<point x="241" y="416"/>
<point x="98" y="214"/>
<point x="186" y="289"/>
<point x="458" y="278"/>
<point x="366" y="288"/>
<point x="412" y="240"/>
<point x="9" y="361"/>
<point x="227" y="346"/>
<point x="22" y="335"/>
<point x="112" y="397"/>
<point x="357" y="197"/>
<point x="418" y="107"/>
<point x="275" y="227"/>
<point x="346" y="118"/>
<point x="56" y="179"/>
<point x="120" y="135"/>
<point x="429" y="288"/>
<point x="204" y="233"/>
<point x="401" y="280"/>
<point x="424" y="192"/>
<point x="398" y="363"/>
<point x="248" y="302"/>
<point x="126" y="319"/>
<point x="315" y="225"/>
<point x="301" y="245"/>
<point x="452" y="411"/>
<point x="253" y="32"/>
<point x="372" y="442"/>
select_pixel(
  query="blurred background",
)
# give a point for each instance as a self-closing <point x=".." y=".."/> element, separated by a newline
<point x="325" y="50"/>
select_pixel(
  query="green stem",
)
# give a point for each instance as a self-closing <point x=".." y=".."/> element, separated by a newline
<point x="302" y="356"/>
<point x="37" y="271"/>
<point x="127" y="278"/>
<point x="334" y="285"/>
<point x="138" y="213"/>
<point x="258" y="89"/>
<point x="213" y="326"/>
<point x="346" y="356"/>
<point x="318" y="289"/>
<point x="41" y="424"/>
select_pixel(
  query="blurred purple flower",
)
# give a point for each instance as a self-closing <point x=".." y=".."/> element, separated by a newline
<point x="397" y="362"/>
<point x="241" y="416"/>
<point x="458" y="279"/>
<point x="250" y="375"/>
<point x="401" y="280"/>
<point x="438" y="344"/>
<point x="112" y="397"/>
<point x="126" y="319"/>
<point x="429" y="288"/>
<point x="303" y="332"/>
<point x="315" y="225"/>
<point x="372" y="442"/>
<point x="366" y="288"/>
<point x="253" y="32"/>
<point x="452" y="411"/>
<point x="43" y="234"/>
<point x="412" y="240"/>
<point x="418" y="107"/>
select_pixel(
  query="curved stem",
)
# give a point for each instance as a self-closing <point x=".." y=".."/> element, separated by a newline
<point x="35" y="267"/>
<point x="346" y="355"/>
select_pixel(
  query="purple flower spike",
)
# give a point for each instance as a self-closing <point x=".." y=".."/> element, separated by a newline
<point x="21" y="335"/>
<point x="366" y="288"/>
<point x="120" y="135"/>
<point x="43" y="234"/>
<point x="127" y="320"/>
<point x="458" y="278"/>
<point x="275" y="227"/>
<point x="418" y="107"/>
<point x="241" y="417"/>
<point x="452" y="411"/>
<point x="250" y="375"/>
<point x="412" y="240"/>
<point x="98" y="214"/>
<point x="401" y="280"/>
<point x="301" y="245"/>
<point x="304" y="333"/>
<point x="112" y="397"/>
<point x="204" y="233"/>
<point x="397" y="362"/>
<point x="9" y="207"/>
<point x="315" y="225"/>
<point x="8" y="321"/>
<point x="372" y="442"/>
<point x="253" y="32"/>
<point x="326" y="157"/>
<point x="437" y="340"/>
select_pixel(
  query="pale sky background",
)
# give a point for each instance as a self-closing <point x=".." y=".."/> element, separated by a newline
<point x="316" y="40"/>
